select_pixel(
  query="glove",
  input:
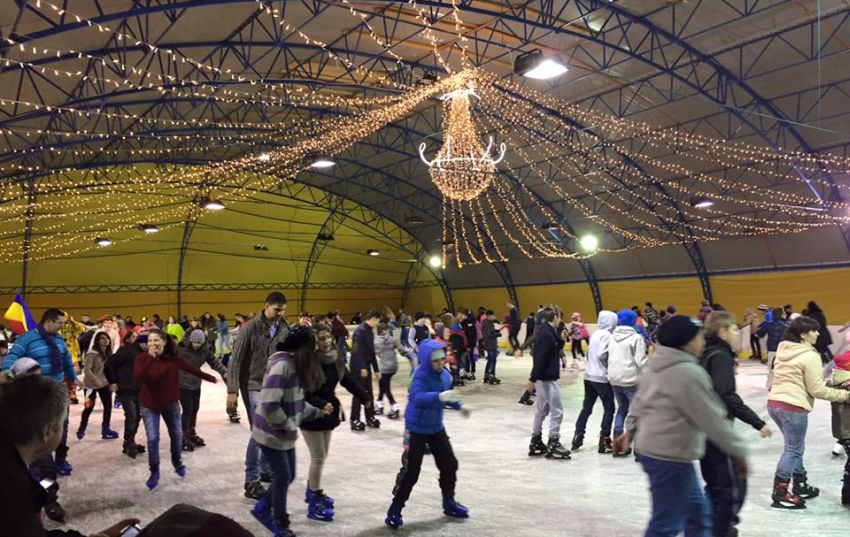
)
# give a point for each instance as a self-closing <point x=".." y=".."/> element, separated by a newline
<point x="464" y="412"/>
<point x="449" y="396"/>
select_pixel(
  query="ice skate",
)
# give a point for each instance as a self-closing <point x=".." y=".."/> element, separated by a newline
<point x="373" y="423"/>
<point x="393" y="519"/>
<point x="153" y="480"/>
<point x="454" y="509"/>
<point x="536" y="446"/>
<point x="379" y="408"/>
<point x="233" y="415"/>
<point x="837" y="450"/>
<point x="108" y="434"/>
<point x="783" y="498"/>
<point x="324" y="499"/>
<point x="606" y="446"/>
<point x="803" y="489"/>
<point x="555" y="450"/>
<point x="525" y="399"/>
<point x="316" y="510"/>
<point x="394" y="412"/>
<point x="578" y="441"/>
<point x="357" y="425"/>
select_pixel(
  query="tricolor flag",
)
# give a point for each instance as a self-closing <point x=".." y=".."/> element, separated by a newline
<point x="19" y="316"/>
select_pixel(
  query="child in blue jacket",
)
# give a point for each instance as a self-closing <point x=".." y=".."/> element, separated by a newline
<point x="430" y="391"/>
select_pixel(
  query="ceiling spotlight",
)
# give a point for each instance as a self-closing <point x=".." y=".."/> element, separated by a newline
<point x="373" y="253"/>
<point x="702" y="203"/>
<point x="149" y="228"/>
<point x="261" y="248"/>
<point x="322" y="163"/>
<point x="534" y="65"/>
<point x="103" y="242"/>
<point x="212" y="205"/>
<point x="414" y="220"/>
<point x="264" y="157"/>
<point x="589" y="243"/>
<point x="435" y="261"/>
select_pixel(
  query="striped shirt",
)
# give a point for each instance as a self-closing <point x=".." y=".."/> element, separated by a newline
<point x="281" y="407"/>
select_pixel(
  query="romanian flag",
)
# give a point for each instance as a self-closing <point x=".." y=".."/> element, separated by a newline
<point x="19" y="316"/>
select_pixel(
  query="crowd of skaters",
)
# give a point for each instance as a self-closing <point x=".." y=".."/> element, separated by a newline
<point x="287" y="375"/>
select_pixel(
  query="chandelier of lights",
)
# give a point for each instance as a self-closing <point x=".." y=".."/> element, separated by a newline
<point x="462" y="168"/>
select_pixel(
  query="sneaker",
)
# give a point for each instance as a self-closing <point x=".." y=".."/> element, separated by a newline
<point x="254" y="490"/>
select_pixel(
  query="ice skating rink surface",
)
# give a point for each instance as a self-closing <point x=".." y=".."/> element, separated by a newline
<point x="508" y="493"/>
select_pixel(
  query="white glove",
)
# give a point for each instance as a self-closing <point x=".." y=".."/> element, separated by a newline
<point x="449" y="396"/>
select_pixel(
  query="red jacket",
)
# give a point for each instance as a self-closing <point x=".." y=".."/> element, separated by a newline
<point x="160" y="379"/>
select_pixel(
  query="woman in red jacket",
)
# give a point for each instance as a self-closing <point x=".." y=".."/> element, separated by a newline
<point x="157" y="371"/>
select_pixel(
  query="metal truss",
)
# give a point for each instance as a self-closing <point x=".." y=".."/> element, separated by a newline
<point x="174" y="288"/>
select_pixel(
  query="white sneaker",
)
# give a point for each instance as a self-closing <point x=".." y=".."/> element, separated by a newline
<point x="837" y="450"/>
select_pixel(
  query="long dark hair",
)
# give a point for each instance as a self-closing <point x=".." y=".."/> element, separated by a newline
<point x="798" y="327"/>
<point x="97" y="338"/>
<point x="813" y="307"/>
<point x="170" y="347"/>
<point x="317" y="374"/>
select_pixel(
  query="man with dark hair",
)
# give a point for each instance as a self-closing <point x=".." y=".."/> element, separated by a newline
<point x="257" y="340"/>
<point x="774" y="329"/>
<point x="46" y="345"/>
<point x="363" y="362"/>
<point x="545" y="375"/>
<point x="418" y="333"/>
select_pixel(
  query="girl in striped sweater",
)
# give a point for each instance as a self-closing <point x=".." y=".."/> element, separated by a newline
<point x="280" y="411"/>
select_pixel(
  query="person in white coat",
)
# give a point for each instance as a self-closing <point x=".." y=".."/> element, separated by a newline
<point x="626" y="360"/>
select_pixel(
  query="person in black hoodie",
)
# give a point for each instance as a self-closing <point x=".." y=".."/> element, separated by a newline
<point x="119" y="370"/>
<point x="545" y="374"/>
<point x="824" y="337"/>
<point x="725" y="486"/>
<point x="317" y="433"/>
<point x="363" y="362"/>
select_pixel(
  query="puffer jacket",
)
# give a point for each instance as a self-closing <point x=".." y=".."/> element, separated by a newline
<point x="626" y="356"/>
<point x="385" y="348"/>
<point x="798" y="377"/>
<point x="597" y="351"/>
<point x="94" y="371"/>
<point x="424" y="412"/>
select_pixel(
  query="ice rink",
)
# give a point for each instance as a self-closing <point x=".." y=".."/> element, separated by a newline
<point x="508" y="493"/>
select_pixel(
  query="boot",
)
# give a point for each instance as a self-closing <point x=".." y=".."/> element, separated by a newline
<point x="316" y="510"/>
<point x="782" y="498"/>
<point x="803" y="489"/>
<point x="198" y="441"/>
<point x="454" y="509"/>
<point x="54" y="511"/>
<point x="108" y="434"/>
<point x="153" y="480"/>
<point x="379" y="408"/>
<point x="130" y="451"/>
<point x="555" y="450"/>
<point x="373" y="423"/>
<point x="606" y="446"/>
<point x="357" y="425"/>
<point x="394" y="519"/>
<point x="578" y="441"/>
<point x="525" y="399"/>
<point x="536" y="446"/>
<point x="254" y="490"/>
<point x="187" y="444"/>
<point x="393" y="415"/>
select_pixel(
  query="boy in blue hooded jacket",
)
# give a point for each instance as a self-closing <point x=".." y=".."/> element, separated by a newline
<point x="430" y="390"/>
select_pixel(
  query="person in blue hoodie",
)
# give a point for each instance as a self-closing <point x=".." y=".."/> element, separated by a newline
<point x="430" y="391"/>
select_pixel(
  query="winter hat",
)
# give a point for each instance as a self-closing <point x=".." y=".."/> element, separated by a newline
<point x="438" y="354"/>
<point x="842" y="361"/>
<point x="298" y="337"/>
<point x="626" y="318"/>
<point x="197" y="337"/>
<point x="678" y="330"/>
<point x="24" y="366"/>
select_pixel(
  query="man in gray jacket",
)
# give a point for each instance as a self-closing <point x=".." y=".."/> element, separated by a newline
<point x="257" y="340"/>
<point x="675" y="409"/>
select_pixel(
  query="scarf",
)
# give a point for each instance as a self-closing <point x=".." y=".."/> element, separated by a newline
<point x="55" y="355"/>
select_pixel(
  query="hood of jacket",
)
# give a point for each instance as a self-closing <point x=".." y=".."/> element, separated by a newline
<point x="788" y="350"/>
<point x="607" y="320"/>
<point x="622" y="333"/>
<point x="665" y="357"/>
<point x="426" y="347"/>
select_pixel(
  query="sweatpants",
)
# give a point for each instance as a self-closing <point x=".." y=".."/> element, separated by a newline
<point x="190" y="400"/>
<point x="319" y="443"/>
<point x="592" y="392"/>
<point x="548" y="404"/>
<point x="384" y="387"/>
<point x="411" y="465"/>
<point x="366" y="384"/>
<point x="105" y="395"/>
<point x="724" y="487"/>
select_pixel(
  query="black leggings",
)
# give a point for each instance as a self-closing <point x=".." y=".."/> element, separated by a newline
<point x="106" y="400"/>
<point x="755" y="345"/>
<point x="577" y="348"/>
<point x="190" y="400"/>
<point x="356" y="403"/>
<point x="384" y="388"/>
<point x="513" y="338"/>
<point x="411" y="465"/>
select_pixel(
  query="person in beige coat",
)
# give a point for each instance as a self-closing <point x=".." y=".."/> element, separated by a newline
<point x="95" y="381"/>
<point x="797" y="382"/>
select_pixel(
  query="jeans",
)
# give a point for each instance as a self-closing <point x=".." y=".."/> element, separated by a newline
<point x="724" y="487"/>
<point x="190" y="400"/>
<point x="130" y="405"/>
<point x="548" y="403"/>
<point x="678" y="503"/>
<point x="624" y="396"/>
<point x="793" y="426"/>
<point x="255" y="462"/>
<point x="490" y="368"/>
<point x="105" y="399"/>
<point x="592" y="391"/>
<point x="411" y="465"/>
<point x="171" y="416"/>
<point x="282" y="463"/>
<point x="342" y="347"/>
<point x="405" y="333"/>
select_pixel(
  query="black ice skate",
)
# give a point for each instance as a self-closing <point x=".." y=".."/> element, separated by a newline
<point x="536" y="446"/>
<point x="783" y="498"/>
<point x="233" y="415"/>
<point x="578" y="441"/>
<point x="555" y="450"/>
<point x="803" y="489"/>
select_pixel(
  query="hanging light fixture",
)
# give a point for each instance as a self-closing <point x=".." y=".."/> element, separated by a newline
<point x="322" y="163"/>
<point x="103" y="242"/>
<point x="534" y="64"/>
<point x="212" y="205"/>
<point x="462" y="169"/>
<point x="435" y="261"/>
<point x="149" y="228"/>
<point x="589" y="243"/>
<point x="373" y="253"/>
<point x="701" y="203"/>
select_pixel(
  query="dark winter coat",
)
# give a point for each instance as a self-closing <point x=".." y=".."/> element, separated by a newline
<point x="530" y="325"/>
<point x="198" y="358"/>
<point x="468" y="325"/>
<point x="719" y="360"/>
<point x="420" y="333"/>
<point x="546" y="354"/>
<point x="363" y="349"/>
<point x="119" y="368"/>
<point x="490" y="335"/>
<point x="424" y="412"/>
<point x="774" y="330"/>
<point x="514" y="320"/>
<point x="325" y="394"/>
<point x="824" y="337"/>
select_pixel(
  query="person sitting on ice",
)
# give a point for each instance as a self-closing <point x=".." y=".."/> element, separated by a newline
<point x="430" y="390"/>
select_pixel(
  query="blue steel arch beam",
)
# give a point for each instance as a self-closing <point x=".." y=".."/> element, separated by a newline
<point x="332" y="222"/>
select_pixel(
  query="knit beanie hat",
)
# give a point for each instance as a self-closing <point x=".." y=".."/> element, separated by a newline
<point x="298" y="337"/>
<point x="24" y="366"/>
<point x="678" y="330"/>
<point x="197" y="337"/>
<point x="626" y="318"/>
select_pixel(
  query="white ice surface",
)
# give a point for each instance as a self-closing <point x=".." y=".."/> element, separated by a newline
<point x="508" y="493"/>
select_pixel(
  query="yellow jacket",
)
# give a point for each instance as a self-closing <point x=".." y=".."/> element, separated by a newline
<point x="72" y="331"/>
<point x="798" y="377"/>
